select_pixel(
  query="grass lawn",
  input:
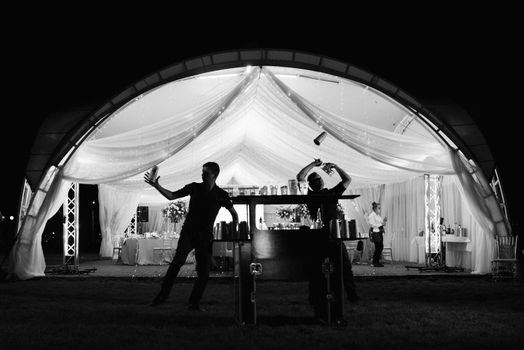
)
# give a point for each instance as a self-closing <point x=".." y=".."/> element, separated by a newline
<point x="395" y="313"/>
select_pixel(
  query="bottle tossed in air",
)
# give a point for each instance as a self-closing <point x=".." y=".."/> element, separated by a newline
<point x="328" y="169"/>
<point x="153" y="173"/>
<point x="318" y="221"/>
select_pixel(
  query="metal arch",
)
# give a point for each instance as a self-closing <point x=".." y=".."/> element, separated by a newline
<point x="497" y="188"/>
<point x="25" y="201"/>
<point x="254" y="57"/>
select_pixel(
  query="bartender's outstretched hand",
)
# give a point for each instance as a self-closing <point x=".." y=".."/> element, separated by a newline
<point x="152" y="182"/>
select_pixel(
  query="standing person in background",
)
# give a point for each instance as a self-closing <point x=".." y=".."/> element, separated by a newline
<point x="197" y="232"/>
<point x="376" y="232"/>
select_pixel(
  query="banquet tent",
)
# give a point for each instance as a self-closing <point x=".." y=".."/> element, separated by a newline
<point x="256" y="114"/>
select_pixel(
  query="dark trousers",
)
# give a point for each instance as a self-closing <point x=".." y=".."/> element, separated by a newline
<point x="318" y="282"/>
<point x="203" y="251"/>
<point x="377" y="254"/>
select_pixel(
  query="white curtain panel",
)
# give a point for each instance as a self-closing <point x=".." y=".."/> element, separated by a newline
<point x="456" y="209"/>
<point x="26" y="259"/>
<point x="116" y="208"/>
<point x="403" y="204"/>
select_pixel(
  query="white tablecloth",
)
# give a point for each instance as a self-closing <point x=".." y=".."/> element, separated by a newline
<point x="142" y="250"/>
<point x="458" y="251"/>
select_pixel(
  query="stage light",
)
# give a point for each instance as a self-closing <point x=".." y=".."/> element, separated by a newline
<point x="11" y="218"/>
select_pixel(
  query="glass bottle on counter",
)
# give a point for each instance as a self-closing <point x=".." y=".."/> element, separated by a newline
<point x="318" y="221"/>
<point x="262" y="224"/>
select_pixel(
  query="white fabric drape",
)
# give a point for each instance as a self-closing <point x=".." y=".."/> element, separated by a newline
<point x="121" y="156"/>
<point x="482" y="243"/>
<point x="456" y="210"/>
<point x="116" y="208"/>
<point x="403" y="204"/>
<point x="475" y="187"/>
<point x="482" y="205"/>
<point x="263" y="138"/>
<point x="380" y="145"/>
<point x="26" y="259"/>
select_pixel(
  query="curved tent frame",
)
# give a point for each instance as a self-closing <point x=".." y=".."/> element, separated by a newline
<point x="60" y="134"/>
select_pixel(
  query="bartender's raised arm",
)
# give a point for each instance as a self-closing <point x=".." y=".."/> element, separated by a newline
<point x="301" y="176"/>
<point x="165" y="192"/>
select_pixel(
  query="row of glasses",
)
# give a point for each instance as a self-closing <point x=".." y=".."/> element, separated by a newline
<point x="294" y="187"/>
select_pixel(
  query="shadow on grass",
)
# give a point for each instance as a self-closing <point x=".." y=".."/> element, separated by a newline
<point x="285" y="320"/>
<point x="199" y="320"/>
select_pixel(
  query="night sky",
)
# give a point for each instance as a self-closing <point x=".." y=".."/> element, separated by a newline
<point x="56" y="62"/>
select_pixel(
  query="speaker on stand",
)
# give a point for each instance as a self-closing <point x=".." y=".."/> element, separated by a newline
<point x="142" y="215"/>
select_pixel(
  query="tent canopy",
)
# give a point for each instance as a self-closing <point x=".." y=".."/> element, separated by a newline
<point x="258" y="123"/>
<point x="63" y="131"/>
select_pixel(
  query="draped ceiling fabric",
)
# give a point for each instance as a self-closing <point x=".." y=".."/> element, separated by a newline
<point x="258" y="124"/>
<point x="262" y="137"/>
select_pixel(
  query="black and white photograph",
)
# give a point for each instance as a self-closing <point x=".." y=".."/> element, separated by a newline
<point x="331" y="180"/>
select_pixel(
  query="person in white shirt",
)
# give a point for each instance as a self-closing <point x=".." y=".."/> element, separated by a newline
<point x="376" y="232"/>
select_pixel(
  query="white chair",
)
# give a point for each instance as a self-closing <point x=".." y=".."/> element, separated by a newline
<point x="505" y="264"/>
<point x="117" y="248"/>
<point x="129" y="254"/>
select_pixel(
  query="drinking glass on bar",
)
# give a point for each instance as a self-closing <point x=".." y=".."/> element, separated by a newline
<point x="302" y="187"/>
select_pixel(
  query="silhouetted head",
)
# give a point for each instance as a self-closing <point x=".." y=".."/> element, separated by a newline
<point x="315" y="181"/>
<point x="210" y="171"/>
